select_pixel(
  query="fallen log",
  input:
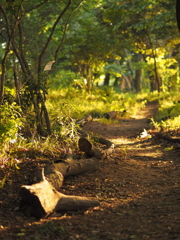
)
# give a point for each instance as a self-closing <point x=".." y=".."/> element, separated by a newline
<point x="58" y="170"/>
<point x="111" y="115"/>
<point x="71" y="167"/>
<point x="41" y="199"/>
<point x="92" y="151"/>
<point x="84" y="121"/>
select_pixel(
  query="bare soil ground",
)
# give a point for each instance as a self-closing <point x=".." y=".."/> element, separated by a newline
<point x="138" y="187"/>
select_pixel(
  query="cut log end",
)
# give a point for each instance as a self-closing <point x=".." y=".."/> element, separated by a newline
<point x="91" y="151"/>
<point x="30" y="204"/>
<point x="84" y="145"/>
<point x="41" y="199"/>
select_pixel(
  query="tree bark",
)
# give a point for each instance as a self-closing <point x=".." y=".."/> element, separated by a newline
<point x="60" y="169"/>
<point x="41" y="199"/>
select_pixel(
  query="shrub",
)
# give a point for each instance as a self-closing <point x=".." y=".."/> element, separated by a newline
<point x="10" y="122"/>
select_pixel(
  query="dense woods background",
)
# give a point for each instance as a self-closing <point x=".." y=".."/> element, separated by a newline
<point x="81" y="47"/>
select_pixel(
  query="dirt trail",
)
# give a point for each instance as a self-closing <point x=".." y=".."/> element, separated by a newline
<point x="125" y="128"/>
<point x="138" y="187"/>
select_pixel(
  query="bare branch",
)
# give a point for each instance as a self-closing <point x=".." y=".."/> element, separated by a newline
<point x="9" y="42"/>
<point x="6" y="20"/>
<point x="35" y="7"/>
<point x="65" y="29"/>
<point x="51" y="34"/>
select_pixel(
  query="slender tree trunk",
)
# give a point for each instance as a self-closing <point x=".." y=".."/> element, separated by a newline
<point x="178" y="13"/>
<point x="153" y="83"/>
<point x="129" y="63"/>
<point x="158" y="82"/>
<point x="10" y="34"/>
<point x="3" y="74"/>
<point x="16" y="83"/>
<point x="138" y="80"/>
<point x="107" y="79"/>
<point x="138" y="74"/>
<point x="116" y="82"/>
<point x="156" y="75"/>
<point x="89" y="79"/>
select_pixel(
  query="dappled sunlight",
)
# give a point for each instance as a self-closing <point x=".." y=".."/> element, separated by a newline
<point x="121" y="141"/>
<point x="89" y="120"/>
<point x="150" y="154"/>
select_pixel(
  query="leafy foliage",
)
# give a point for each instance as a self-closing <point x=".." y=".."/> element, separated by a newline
<point x="10" y="123"/>
<point x="121" y="38"/>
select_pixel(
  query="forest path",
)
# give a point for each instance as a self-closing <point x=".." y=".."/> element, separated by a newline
<point x="149" y="175"/>
<point x="138" y="187"/>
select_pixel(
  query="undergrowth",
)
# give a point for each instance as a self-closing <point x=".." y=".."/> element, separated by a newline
<point x="66" y="107"/>
<point x="168" y="115"/>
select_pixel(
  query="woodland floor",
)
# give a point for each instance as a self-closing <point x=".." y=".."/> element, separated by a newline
<point x="138" y="187"/>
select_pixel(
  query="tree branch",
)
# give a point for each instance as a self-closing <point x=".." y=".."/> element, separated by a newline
<point x="10" y="35"/>
<point x="65" y="29"/>
<point x="35" y="7"/>
<point x="51" y="34"/>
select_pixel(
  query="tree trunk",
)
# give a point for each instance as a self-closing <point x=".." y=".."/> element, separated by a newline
<point x="173" y="80"/>
<point x="178" y="13"/>
<point x="116" y="82"/>
<point x="3" y="74"/>
<point x="138" y="80"/>
<point x="156" y="82"/>
<point x="16" y="83"/>
<point x="8" y="48"/>
<point x="153" y="84"/>
<point x="157" y="78"/>
<point x="138" y="75"/>
<point x="89" y="79"/>
<point x="107" y="79"/>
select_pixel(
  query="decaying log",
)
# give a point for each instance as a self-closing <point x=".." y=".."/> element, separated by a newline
<point x="85" y="120"/>
<point x="57" y="171"/>
<point x="41" y="199"/>
<point x="90" y="150"/>
<point x="60" y="169"/>
<point x="71" y="167"/>
<point x="52" y="175"/>
<point x="106" y="142"/>
<point x="111" y="115"/>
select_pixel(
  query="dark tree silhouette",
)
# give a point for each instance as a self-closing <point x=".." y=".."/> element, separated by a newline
<point x="178" y="13"/>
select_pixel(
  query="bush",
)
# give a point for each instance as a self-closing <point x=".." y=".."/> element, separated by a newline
<point x="10" y="122"/>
